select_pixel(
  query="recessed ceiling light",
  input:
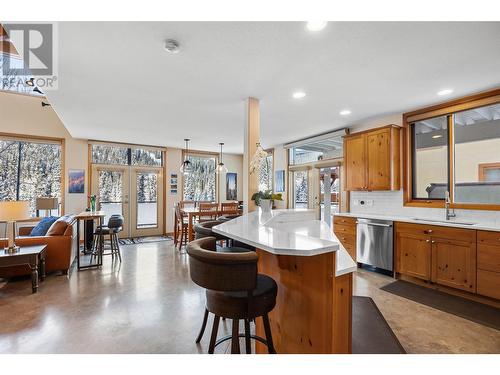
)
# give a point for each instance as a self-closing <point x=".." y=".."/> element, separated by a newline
<point x="445" y="92"/>
<point x="299" y="94"/>
<point x="437" y="136"/>
<point x="316" y="25"/>
<point x="345" y="112"/>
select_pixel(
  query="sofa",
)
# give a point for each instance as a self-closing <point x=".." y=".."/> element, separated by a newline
<point x="61" y="247"/>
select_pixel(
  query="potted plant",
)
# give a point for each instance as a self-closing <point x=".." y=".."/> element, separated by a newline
<point x="264" y="199"/>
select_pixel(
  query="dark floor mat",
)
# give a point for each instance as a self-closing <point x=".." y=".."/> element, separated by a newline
<point x="464" y="308"/>
<point x="370" y="332"/>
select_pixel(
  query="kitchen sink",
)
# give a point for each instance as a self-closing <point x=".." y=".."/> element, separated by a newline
<point x="444" y="221"/>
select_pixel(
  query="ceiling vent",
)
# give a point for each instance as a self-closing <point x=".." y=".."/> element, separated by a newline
<point x="171" y="45"/>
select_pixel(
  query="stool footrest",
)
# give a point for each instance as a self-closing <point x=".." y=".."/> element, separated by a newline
<point x="242" y="335"/>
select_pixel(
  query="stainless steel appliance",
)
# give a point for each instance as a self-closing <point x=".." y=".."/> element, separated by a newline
<point x="374" y="243"/>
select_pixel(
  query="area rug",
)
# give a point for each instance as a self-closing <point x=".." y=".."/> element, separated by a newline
<point x="371" y="333"/>
<point x="139" y="240"/>
<point x="474" y="311"/>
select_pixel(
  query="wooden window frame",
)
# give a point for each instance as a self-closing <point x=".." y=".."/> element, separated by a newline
<point x="443" y="109"/>
<point x="485" y="166"/>
<point x="217" y="175"/>
<point x="55" y="140"/>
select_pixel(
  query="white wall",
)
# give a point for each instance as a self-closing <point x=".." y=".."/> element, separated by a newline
<point x="234" y="164"/>
<point x="24" y="115"/>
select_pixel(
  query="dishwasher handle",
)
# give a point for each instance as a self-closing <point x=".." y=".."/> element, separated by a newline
<point x="374" y="224"/>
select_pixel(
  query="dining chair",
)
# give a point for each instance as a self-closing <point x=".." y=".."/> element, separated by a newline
<point x="208" y="212"/>
<point x="228" y="208"/>
<point x="181" y="227"/>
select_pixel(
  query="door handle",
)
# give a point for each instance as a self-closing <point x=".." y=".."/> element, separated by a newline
<point x="375" y="224"/>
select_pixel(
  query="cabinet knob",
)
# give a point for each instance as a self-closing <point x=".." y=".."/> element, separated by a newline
<point x="433" y="241"/>
<point x="428" y="231"/>
<point x="427" y="240"/>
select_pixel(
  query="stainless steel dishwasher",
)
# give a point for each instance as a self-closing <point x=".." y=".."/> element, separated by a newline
<point x="374" y="245"/>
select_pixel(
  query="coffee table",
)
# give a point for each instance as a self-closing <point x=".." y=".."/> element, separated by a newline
<point x="33" y="256"/>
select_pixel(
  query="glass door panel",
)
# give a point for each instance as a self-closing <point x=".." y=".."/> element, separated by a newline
<point x="147" y="193"/>
<point x="329" y="193"/>
<point x="300" y="189"/>
<point x="110" y="185"/>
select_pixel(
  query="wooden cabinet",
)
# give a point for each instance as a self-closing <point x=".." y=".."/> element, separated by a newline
<point x="413" y="255"/>
<point x="372" y="159"/>
<point x="443" y="255"/>
<point x="454" y="263"/>
<point x="355" y="162"/>
<point x="488" y="263"/>
<point x="345" y="229"/>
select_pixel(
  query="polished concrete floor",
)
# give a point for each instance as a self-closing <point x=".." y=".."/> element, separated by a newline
<point x="148" y="304"/>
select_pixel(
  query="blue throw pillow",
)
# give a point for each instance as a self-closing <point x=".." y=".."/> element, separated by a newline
<point x="43" y="226"/>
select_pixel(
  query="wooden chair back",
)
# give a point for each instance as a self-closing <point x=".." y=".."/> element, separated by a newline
<point x="229" y="208"/>
<point x="184" y="204"/>
<point x="221" y="271"/>
<point x="208" y="211"/>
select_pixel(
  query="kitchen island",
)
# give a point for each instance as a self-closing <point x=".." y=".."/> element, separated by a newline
<point x="313" y="312"/>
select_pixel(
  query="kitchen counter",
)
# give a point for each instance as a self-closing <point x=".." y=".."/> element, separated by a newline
<point x="288" y="232"/>
<point x="455" y="222"/>
<point x="313" y="271"/>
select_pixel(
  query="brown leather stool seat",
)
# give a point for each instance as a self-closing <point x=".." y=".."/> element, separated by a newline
<point x="202" y="230"/>
<point x="234" y="290"/>
<point x="234" y="305"/>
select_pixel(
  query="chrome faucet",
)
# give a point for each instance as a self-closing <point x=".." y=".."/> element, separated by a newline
<point x="447" y="202"/>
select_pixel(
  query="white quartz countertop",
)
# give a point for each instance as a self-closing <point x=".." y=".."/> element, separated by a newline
<point x="288" y="232"/>
<point x="455" y="222"/>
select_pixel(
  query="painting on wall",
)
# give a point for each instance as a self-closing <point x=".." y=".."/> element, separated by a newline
<point x="231" y="187"/>
<point x="76" y="181"/>
<point x="280" y="181"/>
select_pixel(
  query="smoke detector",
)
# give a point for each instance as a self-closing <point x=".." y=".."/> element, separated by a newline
<point x="171" y="45"/>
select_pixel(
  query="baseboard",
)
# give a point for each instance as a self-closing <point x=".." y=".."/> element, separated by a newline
<point x="456" y="292"/>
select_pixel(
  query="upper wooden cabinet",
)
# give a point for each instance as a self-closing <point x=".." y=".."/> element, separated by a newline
<point x="372" y="159"/>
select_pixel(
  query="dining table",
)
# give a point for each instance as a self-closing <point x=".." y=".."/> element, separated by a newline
<point x="192" y="212"/>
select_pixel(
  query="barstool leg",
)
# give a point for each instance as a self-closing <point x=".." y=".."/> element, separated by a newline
<point x="248" y="345"/>
<point x="117" y="244"/>
<point x="112" y="244"/>
<point x="269" y="336"/>
<point x="203" y="325"/>
<point x="213" y="337"/>
<point x="235" y="339"/>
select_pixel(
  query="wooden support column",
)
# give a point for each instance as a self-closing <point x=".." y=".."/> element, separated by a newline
<point x="252" y="137"/>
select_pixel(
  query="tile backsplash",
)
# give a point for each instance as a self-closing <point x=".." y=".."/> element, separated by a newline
<point x="391" y="203"/>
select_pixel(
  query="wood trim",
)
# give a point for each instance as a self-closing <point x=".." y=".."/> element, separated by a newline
<point x="165" y="188"/>
<point x="452" y="106"/>
<point x="200" y="153"/>
<point x="446" y="108"/>
<point x="457" y="292"/>
<point x="390" y="126"/>
<point x="484" y="166"/>
<point x="124" y="144"/>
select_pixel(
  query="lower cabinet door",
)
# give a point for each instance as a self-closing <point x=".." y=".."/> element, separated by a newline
<point x="413" y="255"/>
<point x="454" y="264"/>
<point x="488" y="283"/>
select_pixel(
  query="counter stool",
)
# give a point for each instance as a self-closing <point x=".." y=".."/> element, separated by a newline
<point x="115" y="226"/>
<point x="234" y="290"/>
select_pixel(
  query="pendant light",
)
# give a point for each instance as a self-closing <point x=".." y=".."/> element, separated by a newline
<point x="221" y="168"/>
<point x="186" y="164"/>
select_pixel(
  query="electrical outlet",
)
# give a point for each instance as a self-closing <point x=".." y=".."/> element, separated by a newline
<point x="369" y="202"/>
<point x="355" y="202"/>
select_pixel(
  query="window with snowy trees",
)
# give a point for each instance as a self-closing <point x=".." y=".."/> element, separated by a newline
<point x="147" y="192"/>
<point x="200" y="182"/>
<point x="29" y="170"/>
<point x="120" y="155"/>
<point x="266" y="173"/>
<point x="301" y="189"/>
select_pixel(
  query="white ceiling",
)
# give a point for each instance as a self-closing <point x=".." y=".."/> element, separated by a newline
<point x="117" y="83"/>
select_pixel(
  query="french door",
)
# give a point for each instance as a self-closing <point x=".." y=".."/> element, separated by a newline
<point x="329" y="193"/>
<point x="136" y="193"/>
